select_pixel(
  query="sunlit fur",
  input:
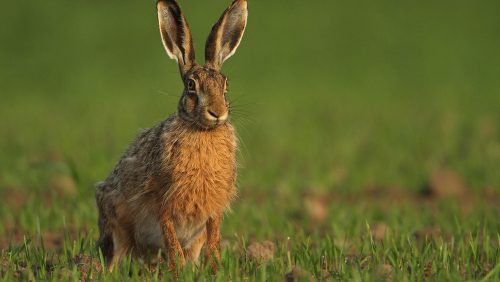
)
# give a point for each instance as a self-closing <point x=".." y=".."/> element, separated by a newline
<point x="173" y="170"/>
<point x="173" y="184"/>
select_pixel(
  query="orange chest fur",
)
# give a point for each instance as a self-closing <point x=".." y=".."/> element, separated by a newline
<point x="201" y="169"/>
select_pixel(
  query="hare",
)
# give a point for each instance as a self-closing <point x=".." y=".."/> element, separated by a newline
<point x="173" y="184"/>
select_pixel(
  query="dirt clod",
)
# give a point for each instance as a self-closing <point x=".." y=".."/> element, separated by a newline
<point x="298" y="274"/>
<point x="386" y="270"/>
<point x="4" y="266"/>
<point x="428" y="270"/>
<point x="429" y="233"/>
<point x="225" y="244"/>
<point x="445" y="183"/>
<point x="316" y="208"/>
<point x="53" y="240"/>
<point x="14" y="198"/>
<point x="378" y="231"/>
<point x="86" y="263"/>
<point x="63" y="185"/>
<point x="261" y="252"/>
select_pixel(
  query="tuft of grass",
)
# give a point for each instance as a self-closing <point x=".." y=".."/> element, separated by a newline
<point x="398" y="257"/>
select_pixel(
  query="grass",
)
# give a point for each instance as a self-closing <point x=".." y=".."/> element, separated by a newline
<point x="347" y="113"/>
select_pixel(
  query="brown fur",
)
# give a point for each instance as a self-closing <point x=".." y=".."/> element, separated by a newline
<point x="172" y="186"/>
<point x="178" y="175"/>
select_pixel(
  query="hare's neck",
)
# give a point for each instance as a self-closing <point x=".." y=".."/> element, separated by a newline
<point x="184" y="132"/>
<point x="179" y="123"/>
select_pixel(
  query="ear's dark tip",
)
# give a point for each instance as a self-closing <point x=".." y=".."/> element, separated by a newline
<point x="172" y="6"/>
<point x="164" y="3"/>
<point x="240" y="4"/>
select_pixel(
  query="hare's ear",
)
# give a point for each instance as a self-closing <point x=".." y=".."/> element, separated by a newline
<point x="175" y="34"/>
<point x="226" y="34"/>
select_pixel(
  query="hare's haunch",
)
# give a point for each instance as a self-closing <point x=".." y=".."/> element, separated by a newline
<point x="171" y="187"/>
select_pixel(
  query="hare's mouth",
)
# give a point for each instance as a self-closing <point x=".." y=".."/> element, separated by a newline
<point x="210" y="119"/>
<point x="204" y="120"/>
<point x="211" y="124"/>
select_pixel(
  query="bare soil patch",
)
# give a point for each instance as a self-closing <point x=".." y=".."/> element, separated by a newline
<point x="261" y="251"/>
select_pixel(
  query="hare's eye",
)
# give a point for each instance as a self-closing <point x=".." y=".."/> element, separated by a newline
<point x="191" y="85"/>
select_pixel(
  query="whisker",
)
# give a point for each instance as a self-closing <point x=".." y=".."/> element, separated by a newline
<point x="167" y="94"/>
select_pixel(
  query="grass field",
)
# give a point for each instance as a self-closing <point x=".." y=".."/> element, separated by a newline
<point x="370" y="136"/>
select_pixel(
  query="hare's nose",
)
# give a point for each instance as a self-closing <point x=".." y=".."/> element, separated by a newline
<point x="211" y="115"/>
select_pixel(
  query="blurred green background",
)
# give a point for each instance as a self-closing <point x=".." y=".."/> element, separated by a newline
<point x="334" y="96"/>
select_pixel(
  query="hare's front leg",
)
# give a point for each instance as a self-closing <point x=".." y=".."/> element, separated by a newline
<point x="121" y="245"/>
<point x="173" y="247"/>
<point x="213" y="241"/>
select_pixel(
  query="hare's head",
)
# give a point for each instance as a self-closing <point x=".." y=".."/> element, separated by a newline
<point x="204" y="100"/>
